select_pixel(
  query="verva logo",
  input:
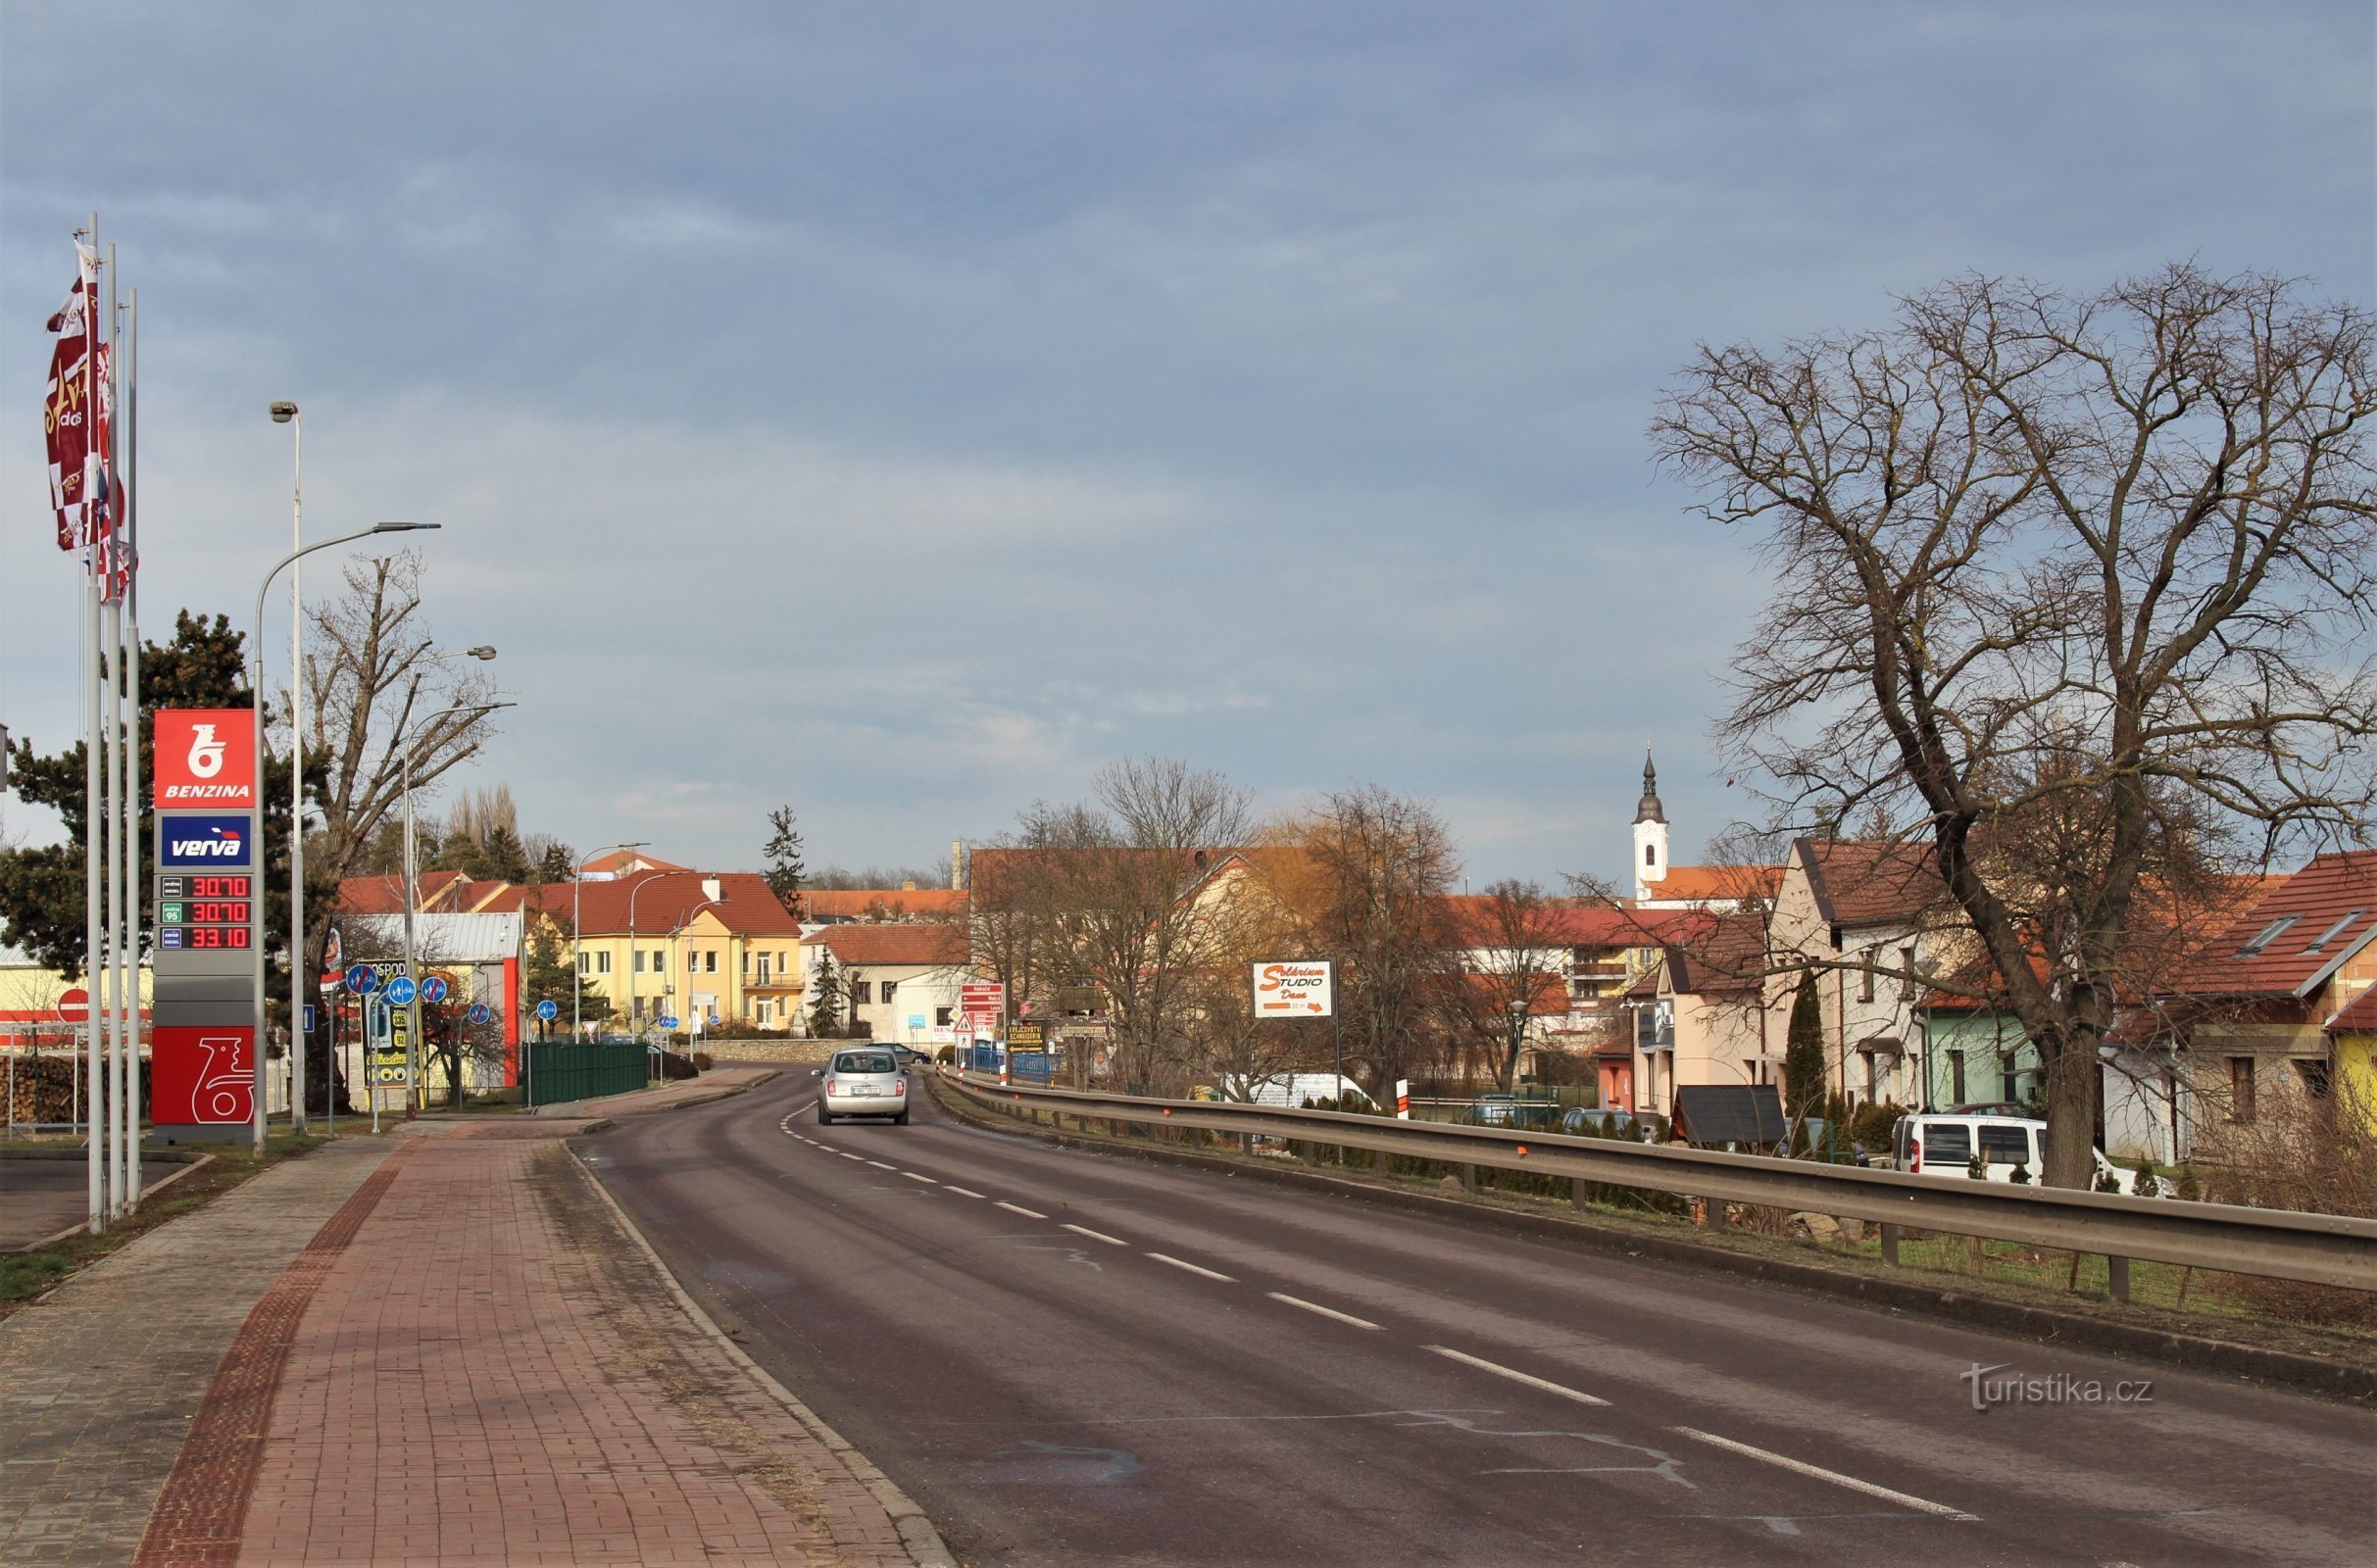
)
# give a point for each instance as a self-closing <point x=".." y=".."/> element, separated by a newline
<point x="205" y="841"/>
<point x="206" y="756"/>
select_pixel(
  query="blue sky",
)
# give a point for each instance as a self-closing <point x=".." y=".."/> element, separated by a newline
<point x="903" y="410"/>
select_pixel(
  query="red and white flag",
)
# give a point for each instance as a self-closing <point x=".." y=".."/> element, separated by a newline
<point x="75" y="415"/>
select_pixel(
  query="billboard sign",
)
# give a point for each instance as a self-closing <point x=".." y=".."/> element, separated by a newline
<point x="1028" y="1037"/>
<point x="205" y="759"/>
<point x="982" y="996"/>
<point x="1296" y="988"/>
<point x="210" y="839"/>
<point x="202" y="1076"/>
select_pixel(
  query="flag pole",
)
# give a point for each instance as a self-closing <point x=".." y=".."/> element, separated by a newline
<point x="94" y="1018"/>
<point x="136" y="792"/>
<point x="118" y="1196"/>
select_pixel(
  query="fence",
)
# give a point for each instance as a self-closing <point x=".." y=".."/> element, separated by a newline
<point x="564" y="1070"/>
<point x="2320" y="1248"/>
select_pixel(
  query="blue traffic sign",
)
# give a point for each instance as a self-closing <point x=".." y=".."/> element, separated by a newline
<point x="480" y="1012"/>
<point x="433" y="989"/>
<point x="400" y="991"/>
<point x="548" y="1011"/>
<point x="363" y="979"/>
<point x="669" y="1021"/>
<point x="308" y="1027"/>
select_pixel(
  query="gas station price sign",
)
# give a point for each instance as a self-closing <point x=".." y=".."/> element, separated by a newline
<point x="204" y="914"/>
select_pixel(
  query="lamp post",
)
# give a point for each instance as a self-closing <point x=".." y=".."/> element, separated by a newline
<point x="286" y="413"/>
<point x="709" y="885"/>
<point x="404" y="766"/>
<point x="711" y="892"/>
<point x="296" y="796"/>
<point x="577" y="961"/>
<point x="1518" y="1035"/>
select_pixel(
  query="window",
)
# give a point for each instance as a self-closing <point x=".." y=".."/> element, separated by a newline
<point x="889" y="986"/>
<point x="762" y="1012"/>
<point x="2315" y="1077"/>
<point x="2240" y="1089"/>
<point x="640" y="961"/>
<point x="746" y="960"/>
<point x="710" y="961"/>
<point x="1865" y="980"/>
<point x="1649" y="854"/>
<point x="1906" y="972"/>
<point x="763" y="967"/>
<point x="2335" y="931"/>
<point x="861" y="992"/>
<point x="585" y="963"/>
<point x="941" y="1017"/>
<point x="602" y="961"/>
<point x="2269" y="934"/>
<point x="1956" y="1078"/>
<point x="1946" y="1142"/>
<point x="2005" y="1145"/>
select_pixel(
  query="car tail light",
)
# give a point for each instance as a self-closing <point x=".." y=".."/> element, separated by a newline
<point x="832" y="1088"/>
<point x="900" y="1088"/>
<point x="1914" y="1157"/>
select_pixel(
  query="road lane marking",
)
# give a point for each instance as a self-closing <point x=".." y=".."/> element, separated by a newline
<point x="1192" y="1268"/>
<point x="861" y="1158"/>
<point x="1097" y="1236"/>
<point x="1324" y="1311"/>
<point x="961" y="1191"/>
<point x="1802" y="1467"/>
<point x="1515" y="1374"/>
<point x="914" y="1177"/>
<point x="880" y="1165"/>
<point x="1018" y="1209"/>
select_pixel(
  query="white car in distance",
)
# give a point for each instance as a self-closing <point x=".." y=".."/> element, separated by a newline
<point x="866" y="1081"/>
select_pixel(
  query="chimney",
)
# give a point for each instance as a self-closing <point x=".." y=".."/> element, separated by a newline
<point x="956" y="865"/>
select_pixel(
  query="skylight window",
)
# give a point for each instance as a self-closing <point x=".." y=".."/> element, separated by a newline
<point x="2335" y="930"/>
<point x="2269" y="934"/>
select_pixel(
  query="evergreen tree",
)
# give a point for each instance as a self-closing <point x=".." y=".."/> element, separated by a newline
<point x="545" y="975"/>
<point x="1803" y="1052"/>
<point x="825" y="1011"/>
<point x="501" y="857"/>
<point x="783" y="856"/>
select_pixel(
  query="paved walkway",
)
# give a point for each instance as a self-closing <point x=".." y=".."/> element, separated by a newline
<point x="462" y="1358"/>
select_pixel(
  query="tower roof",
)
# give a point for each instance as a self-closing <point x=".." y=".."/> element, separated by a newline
<point x="1650" y="810"/>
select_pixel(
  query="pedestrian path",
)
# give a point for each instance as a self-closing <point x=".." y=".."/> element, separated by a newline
<point x="418" y="1350"/>
<point x="716" y="1083"/>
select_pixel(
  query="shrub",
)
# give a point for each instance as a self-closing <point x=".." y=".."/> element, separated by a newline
<point x="1872" y="1124"/>
<point x="2316" y="1157"/>
<point x="703" y="1062"/>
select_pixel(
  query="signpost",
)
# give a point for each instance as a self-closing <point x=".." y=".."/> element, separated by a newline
<point x="1303" y="988"/>
<point x="546" y="1011"/>
<point x="400" y="991"/>
<point x="207" y="1065"/>
<point x="1028" y="1037"/>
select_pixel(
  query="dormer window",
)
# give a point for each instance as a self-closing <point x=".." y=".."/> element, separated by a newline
<point x="2268" y="934"/>
<point x="2335" y="931"/>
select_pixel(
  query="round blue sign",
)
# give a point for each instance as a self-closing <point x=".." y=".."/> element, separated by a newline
<point x="363" y="979"/>
<point x="669" y="1021"/>
<point x="479" y="1012"/>
<point x="433" y="989"/>
<point x="548" y="1011"/>
<point x="400" y="991"/>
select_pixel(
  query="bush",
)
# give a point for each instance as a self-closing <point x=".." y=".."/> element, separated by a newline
<point x="2320" y="1159"/>
<point x="1872" y="1124"/>
<point x="703" y="1062"/>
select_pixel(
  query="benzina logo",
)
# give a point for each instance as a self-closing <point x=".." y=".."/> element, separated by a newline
<point x="206" y="841"/>
<point x="206" y="752"/>
<point x="203" y="758"/>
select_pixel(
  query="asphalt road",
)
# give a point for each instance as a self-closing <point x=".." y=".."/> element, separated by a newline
<point x="40" y="1197"/>
<point x="1073" y="1358"/>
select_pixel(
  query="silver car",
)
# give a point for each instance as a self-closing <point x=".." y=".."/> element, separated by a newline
<point x="864" y="1082"/>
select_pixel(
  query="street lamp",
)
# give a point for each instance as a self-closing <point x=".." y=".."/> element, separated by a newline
<point x="404" y="766"/>
<point x="576" y="947"/>
<point x="713" y="892"/>
<point x="1518" y="1034"/>
<point x="709" y="885"/>
<point x="296" y="807"/>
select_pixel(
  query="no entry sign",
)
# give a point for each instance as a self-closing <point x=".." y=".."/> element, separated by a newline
<point x="75" y="1006"/>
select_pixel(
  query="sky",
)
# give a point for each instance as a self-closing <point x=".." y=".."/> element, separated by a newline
<point x="901" y="410"/>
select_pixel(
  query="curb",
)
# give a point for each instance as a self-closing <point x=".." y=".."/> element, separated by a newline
<point x="82" y="1227"/>
<point x="566" y="1108"/>
<point x="2289" y="1369"/>
<point x="925" y="1545"/>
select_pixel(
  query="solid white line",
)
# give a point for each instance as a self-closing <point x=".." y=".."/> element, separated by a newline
<point x="963" y="1192"/>
<point x="880" y="1165"/>
<point x="1018" y="1209"/>
<point x="914" y="1177"/>
<point x="1097" y="1236"/>
<point x="1324" y="1311"/>
<point x="1515" y="1374"/>
<point x="1869" y="1488"/>
<point x="1192" y="1268"/>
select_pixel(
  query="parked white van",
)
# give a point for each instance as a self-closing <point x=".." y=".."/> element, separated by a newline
<point x="1933" y="1144"/>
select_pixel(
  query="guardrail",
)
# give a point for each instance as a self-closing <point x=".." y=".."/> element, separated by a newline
<point x="2320" y="1248"/>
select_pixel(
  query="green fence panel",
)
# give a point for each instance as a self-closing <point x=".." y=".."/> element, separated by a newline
<point x="559" y="1071"/>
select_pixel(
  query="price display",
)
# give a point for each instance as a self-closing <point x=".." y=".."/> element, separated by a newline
<point x="215" y="936"/>
<point x="218" y="887"/>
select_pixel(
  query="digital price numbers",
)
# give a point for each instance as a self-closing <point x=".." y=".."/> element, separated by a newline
<point x="206" y="913"/>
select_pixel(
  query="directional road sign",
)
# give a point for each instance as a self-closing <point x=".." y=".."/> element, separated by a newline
<point x="363" y="979"/>
<point x="400" y="991"/>
<point x="480" y="1012"/>
<point x="433" y="989"/>
<point x="309" y="1018"/>
<point x="669" y="1021"/>
<point x="548" y="1011"/>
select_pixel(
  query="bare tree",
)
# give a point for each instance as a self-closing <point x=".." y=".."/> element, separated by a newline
<point x="1517" y="965"/>
<point x="2069" y="586"/>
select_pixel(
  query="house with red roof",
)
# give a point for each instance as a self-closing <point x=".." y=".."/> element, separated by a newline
<point x="897" y="980"/>
<point x="1871" y="921"/>
<point x="2274" y="1014"/>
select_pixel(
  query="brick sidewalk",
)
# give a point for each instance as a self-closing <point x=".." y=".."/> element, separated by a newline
<point x="492" y="1372"/>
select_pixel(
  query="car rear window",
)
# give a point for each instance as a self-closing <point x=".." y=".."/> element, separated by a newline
<point x="1946" y="1142"/>
<point x="866" y="1061"/>
<point x="2005" y="1145"/>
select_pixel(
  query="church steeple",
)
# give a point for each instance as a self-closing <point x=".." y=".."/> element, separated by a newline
<point x="1649" y="835"/>
<point x="1650" y="810"/>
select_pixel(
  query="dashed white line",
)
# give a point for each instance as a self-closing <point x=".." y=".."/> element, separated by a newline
<point x="1018" y="1209"/>
<point x="1324" y="1311"/>
<point x="1097" y="1236"/>
<point x="914" y="1177"/>
<point x="1515" y="1374"/>
<point x="1193" y="1269"/>
<point x="880" y="1165"/>
<point x="861" y="1158"/>
<point x="961" y="1191"/>
<point x="1802" y="1467"/>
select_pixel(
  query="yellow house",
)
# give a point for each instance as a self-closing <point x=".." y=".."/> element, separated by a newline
<point x="721" y="948"/>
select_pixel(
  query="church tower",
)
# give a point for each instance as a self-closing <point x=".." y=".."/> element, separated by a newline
<point x="1650" y="836"/>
